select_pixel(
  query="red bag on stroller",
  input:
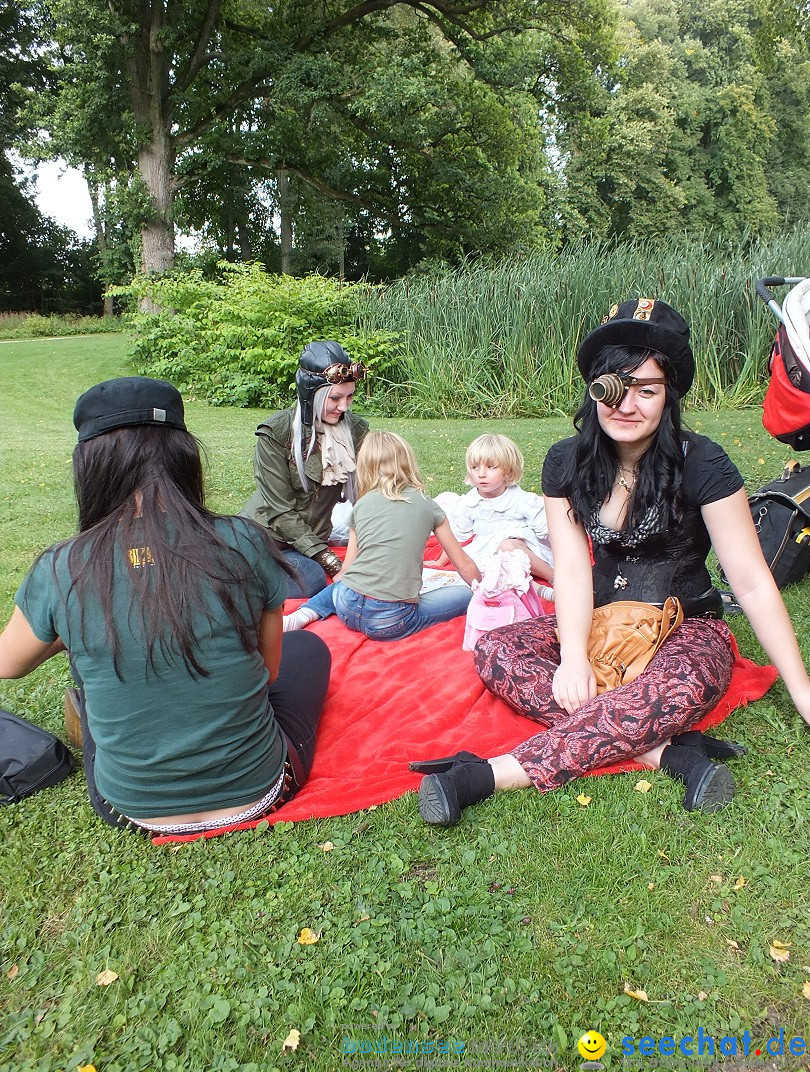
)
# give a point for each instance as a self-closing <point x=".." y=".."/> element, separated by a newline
<point x="786" y="407"/>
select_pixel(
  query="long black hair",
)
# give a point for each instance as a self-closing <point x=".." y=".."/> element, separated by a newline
<point x="660" y="468"/>
<point x="140" y="492"/>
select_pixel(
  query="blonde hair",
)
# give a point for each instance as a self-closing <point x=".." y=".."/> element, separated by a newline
<point x="499" y="450"/>
<point x="386" y="463"/>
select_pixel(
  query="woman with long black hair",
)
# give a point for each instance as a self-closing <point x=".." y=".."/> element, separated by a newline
<point x="650" y="498"/>
<point x="193" y="716"/>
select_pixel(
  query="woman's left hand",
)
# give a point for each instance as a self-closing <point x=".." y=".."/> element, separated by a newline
<point x="802" y="702"/>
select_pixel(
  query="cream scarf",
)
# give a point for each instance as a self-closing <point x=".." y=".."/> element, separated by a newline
<point x="337" y="452"/>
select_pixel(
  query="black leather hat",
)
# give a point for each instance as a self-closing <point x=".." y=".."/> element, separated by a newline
<point x="645" y="322"/>
<point x="127" y="400"/>
<point x="315" y="359"/>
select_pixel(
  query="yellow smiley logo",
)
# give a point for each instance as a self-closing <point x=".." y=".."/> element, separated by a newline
<point x="592" y="1046"/>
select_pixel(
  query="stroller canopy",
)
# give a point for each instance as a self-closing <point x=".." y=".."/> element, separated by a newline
<point x="796" y="314"/>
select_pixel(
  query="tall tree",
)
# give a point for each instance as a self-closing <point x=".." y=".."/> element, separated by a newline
<point x="681" y="136"/>
<point x="288" y="86"/>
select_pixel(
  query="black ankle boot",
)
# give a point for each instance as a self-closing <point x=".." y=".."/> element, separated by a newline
<point x="709" y="786"/>
<point x="443" y="797"/>
<point x="711" y="747"/>
<point x="441" y="766"/>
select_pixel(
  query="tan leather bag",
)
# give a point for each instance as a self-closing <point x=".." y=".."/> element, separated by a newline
<point x="625" y="636"/>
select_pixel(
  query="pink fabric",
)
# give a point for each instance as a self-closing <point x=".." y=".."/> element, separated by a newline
<point x="419" y="698"/>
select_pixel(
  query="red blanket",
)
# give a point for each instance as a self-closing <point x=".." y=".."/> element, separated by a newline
<point x="418" y="698"/>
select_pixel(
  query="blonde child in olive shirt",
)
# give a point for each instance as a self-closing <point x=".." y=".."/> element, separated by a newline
<point x="378" y="590"/>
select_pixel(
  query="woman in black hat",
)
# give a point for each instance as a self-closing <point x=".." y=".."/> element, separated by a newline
<point x="193" y="715"/>
<point x="304" y="464"/>
<point x="651" y="498"/>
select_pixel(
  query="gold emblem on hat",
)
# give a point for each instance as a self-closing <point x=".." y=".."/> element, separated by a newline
<point x="613" y="310"/>
<point x="644" y="308"/>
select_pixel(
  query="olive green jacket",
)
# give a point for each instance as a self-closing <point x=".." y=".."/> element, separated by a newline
<point x="295" y="517"/>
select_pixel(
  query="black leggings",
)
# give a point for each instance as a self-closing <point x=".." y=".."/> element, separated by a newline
<point x="297" y="696"/>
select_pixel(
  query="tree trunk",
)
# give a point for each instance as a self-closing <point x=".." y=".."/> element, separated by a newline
<point x="101" y="236"/>
<point x="284" y="208"/>
<point x="342" y="246"/>
<point x="245" y="248"/>
<point x="148" y="68"/>
<point x="156" y="166"/>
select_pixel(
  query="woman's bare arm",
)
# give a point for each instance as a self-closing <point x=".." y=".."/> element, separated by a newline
<point x="734" y="539"/>
<point x="270" y="633"/>
<point x="21" y="651"/>
<point x="574" y="682"/>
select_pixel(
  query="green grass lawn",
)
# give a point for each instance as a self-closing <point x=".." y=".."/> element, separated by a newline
<point x="523" y="924"/>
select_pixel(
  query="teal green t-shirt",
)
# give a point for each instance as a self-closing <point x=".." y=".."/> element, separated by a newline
<point x="168" y="743"/>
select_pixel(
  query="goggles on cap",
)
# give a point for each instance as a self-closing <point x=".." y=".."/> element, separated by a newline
<point x="611" y="387"/>
<point x="342" y="373"/>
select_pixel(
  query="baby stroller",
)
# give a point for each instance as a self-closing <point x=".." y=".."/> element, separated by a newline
<point x="786" y="408"/>
<point x="781" y="510"/>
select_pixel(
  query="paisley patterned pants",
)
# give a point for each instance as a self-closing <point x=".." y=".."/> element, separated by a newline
<point x="684" y="681"/>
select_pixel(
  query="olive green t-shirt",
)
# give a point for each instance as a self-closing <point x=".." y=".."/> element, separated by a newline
<point x="169" y="743"/>
<point x="391" y="536"/>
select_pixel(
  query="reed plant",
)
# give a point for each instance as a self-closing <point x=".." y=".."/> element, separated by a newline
<point x="501" y="339"/>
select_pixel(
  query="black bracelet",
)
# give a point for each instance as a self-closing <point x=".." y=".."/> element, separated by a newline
<point x="329" y="561"/>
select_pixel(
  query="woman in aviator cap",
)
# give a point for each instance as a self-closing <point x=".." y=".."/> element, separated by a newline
<point x="651" y="498"/>
<point x="304" y="464"/>
<point x="193" y="717"/>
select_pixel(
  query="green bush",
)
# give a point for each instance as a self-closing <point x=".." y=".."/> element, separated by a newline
<point x="235" y="340"/>
<point x="35" y="326"/>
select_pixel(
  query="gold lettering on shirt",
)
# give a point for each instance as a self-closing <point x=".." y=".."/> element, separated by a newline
<point x="140" y="557"/>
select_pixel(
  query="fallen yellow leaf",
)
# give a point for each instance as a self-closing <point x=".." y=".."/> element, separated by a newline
<point x="738" y="885"/>
<point x="780" y="945"/>
<point x="308" y="937"/>
<point x="806" y="990"/>
<point x="643" y="786"/>
<point x="12" y="972"/>
<point x="327" y="846"/>
<point x="662" y="854"/>
<point x="87" y="1068"/>
<point x="779" y="952"/>
<point x="290" y="1043"/>
<point x="639" y="995"/>
<point x="583" y="800"/>
<point x="106" y="977"/>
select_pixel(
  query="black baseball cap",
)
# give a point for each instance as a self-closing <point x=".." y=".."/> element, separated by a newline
<point x="125" y="401"/>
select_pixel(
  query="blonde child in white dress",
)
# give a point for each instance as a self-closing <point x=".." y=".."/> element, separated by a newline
<point x="497" y="514"/>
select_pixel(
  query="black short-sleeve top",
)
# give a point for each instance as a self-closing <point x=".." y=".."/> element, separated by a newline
<point x="648" y="563"/>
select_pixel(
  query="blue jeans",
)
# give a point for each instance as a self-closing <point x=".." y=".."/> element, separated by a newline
<point x="310" y="576"/>
<point x="381" y="619"/>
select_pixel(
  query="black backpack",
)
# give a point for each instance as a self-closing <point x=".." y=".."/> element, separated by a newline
<point x="781" y="513"/>
<point x="30" y="759"/>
